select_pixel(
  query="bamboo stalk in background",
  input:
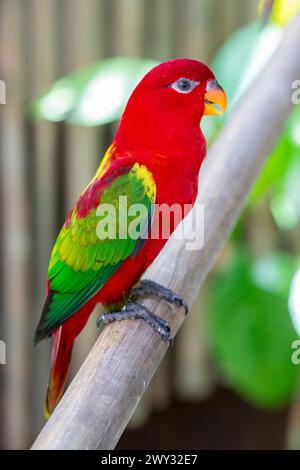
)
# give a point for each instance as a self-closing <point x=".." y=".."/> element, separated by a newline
<point x="196" y="380"/>
<point x="127" y="28"/>
<point x="14" y="197"/>
<point x="230" y="10"/>
<point x="159" y="29"/>
<point x="41" y="29"/>
<point x="196" y="21"/>
<point x="100" y="401"/>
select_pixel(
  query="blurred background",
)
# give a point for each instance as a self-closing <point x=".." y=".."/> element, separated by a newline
<point x="69" y="67"/>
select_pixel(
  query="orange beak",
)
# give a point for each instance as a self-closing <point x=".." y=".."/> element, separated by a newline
<point x="215" y="99"/>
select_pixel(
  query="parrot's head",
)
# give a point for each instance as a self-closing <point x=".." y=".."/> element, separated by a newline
<point x="172" y="98"/>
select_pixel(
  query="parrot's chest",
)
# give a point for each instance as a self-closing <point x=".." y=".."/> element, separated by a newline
<point x="179" y="187"/>
<point x="177" y="177"/>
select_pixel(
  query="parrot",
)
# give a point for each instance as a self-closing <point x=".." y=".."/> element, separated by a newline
<point x="154" y="159"/>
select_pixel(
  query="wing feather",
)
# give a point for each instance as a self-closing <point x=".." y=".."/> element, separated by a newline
<point x="80" y="262"/>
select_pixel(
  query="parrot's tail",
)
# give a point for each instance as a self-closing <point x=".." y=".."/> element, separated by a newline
<point x="63" y="340"/>
<point x="60" y="364"/>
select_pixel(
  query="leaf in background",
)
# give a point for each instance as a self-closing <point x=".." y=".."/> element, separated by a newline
<point x="285" y="205"/>
<point x="94" y="95"/>
<point x="284" y="11"/>
<point x="229" y="65"/>
<point x="284" y="156"/>
<point x="274" y="272"/>
<point x="243" y="56"/>
<point x="250" y="332"/>
<point x="237" y="64"/>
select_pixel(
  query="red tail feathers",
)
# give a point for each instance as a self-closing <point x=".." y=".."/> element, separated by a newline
<point x="63" y="340"/>
<point x="60" y="363"/>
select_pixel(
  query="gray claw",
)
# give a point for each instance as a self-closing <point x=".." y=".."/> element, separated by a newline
<point x="148" y="287"/>
<point x="134" y="311"/>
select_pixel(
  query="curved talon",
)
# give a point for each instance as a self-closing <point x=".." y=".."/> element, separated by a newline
<point x="181" y="303"/>
<point x="147" y="287"/>
<point x="169" y="339"/>
<point x="133" y="311"/>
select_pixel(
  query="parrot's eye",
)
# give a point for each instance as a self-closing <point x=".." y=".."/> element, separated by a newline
<point x="184" y="85"/>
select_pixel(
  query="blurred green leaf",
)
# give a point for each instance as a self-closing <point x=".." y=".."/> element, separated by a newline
<point x="236" y="65"/>
<point x="284" y="156"/>
<point x="250" y="330"/>
<point x="284" y="10"/>
<point x="229" y="65"/>
<point x="285" y="205"/>
<point x="94" y="95"/>
<point x="284" y="213"/>
<point x="274" y="272"/>
<point x="243" y="56"/>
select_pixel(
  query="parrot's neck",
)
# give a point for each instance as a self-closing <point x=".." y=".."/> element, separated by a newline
<point x="173" y="159"/>
<point x="173" y="139"/>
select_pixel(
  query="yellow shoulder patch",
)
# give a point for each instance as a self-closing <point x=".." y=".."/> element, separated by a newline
<point x="104" y="165"/>
<point x="142" y="173"/>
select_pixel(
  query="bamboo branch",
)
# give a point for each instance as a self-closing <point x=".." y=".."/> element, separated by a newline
<point x="101" y="399"/>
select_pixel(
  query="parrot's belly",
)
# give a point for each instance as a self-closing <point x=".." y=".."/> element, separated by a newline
<point x="115" y="291"/>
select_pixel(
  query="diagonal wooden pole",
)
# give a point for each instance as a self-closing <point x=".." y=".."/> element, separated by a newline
<point x="101" y="399"/>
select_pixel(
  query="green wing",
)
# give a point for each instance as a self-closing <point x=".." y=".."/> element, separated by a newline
<point x="90" y="248"/>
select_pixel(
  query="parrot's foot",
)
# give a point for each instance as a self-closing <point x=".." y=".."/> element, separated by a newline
<point x="135" y="311"/>
<point x="147" y="287"/>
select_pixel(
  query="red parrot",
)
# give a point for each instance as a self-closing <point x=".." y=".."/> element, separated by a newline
<point x="154" y="159"/>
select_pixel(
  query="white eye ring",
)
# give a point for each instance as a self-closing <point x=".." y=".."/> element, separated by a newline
<point x="184" y="85"/>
